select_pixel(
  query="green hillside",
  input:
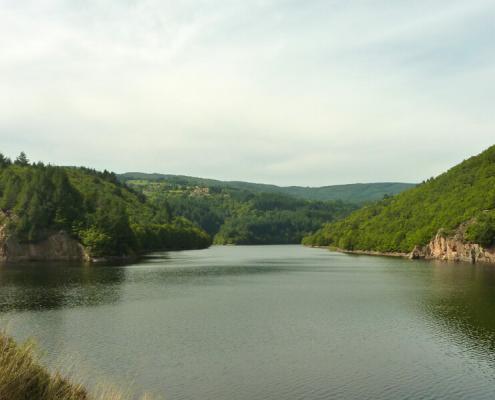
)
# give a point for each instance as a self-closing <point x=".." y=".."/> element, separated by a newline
<point x="358" y="193"/>
<point x="94" y="207"/>
<point x="465" y="193"/>
<point x="355" y="193"/>
<point x="239" y="216"/>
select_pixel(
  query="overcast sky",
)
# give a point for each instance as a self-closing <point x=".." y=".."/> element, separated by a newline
<point x="274" y="91"/>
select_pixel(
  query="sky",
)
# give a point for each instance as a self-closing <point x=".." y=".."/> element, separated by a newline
<point x="287" y="92"/>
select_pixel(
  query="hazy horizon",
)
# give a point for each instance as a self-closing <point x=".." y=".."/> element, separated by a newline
<point x="273" y="91"/>
<point x="262" y="183"/>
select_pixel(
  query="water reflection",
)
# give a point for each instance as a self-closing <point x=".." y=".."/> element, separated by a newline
<point x="43" y="286"/>
<point x="46" y="286"/>
<point x="460" y="303"/>
<point x="266" y="322"/>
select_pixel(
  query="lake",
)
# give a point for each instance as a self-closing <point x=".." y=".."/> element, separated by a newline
<point x="263" y="322"/>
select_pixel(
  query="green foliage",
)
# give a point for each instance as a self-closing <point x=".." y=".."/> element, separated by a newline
<point x="236" y="216"/>
<point x="98" y="242"/>
<point x="94" y="207"/>
<point x="412" y="218"/>
<point x="22" y="159"/>
<point x="482" y="230"/>
<point x="40" y="197"/>
<point x="177" y="235"/>
<point x="273" y="227"/>
<point x="4" y="161"/>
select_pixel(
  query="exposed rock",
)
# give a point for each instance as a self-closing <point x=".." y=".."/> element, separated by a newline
<point x="454" y="248"/>
<point x="416" y="253"/>
<point x="57" y="247"/>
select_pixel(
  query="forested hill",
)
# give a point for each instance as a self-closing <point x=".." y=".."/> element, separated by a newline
<point x="358" y="193"/>
<point x="463" y="195"/>
<point x="239" y="216"/>
<point x="95" y="208"/>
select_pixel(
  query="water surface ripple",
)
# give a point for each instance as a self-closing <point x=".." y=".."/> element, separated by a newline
<point x="264" y="322"/>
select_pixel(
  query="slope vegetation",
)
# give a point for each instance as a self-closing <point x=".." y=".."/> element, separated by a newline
<point x="463" y="195"/>
<point x="94" y="208"/>
<point x="239" y="216"/>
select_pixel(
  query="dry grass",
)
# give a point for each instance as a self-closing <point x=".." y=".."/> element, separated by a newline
<point x="22" y="377"/>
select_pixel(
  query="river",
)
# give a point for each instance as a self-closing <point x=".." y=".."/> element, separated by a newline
<point x="263" y="322"/>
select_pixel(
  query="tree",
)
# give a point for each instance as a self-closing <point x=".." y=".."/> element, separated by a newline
<point x="4" y="161"/>
<point x="22" y="159"/>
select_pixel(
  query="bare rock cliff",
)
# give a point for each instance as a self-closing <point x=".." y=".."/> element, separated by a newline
<point x="57" y="247"/>
<point x="454" y="248"/>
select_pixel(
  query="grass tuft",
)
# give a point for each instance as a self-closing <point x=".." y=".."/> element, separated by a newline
<point x="22" y="377"/>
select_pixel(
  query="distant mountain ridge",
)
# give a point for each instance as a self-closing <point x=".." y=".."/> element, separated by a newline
<point x="356" y="193"/>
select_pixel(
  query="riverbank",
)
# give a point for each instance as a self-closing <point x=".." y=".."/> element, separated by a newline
<point x="453" y="249"/>
<point x="22" y="377"/>
<point x="362" y="252"/>
<point x="60" y="246"/>
<point x="373" y="253"/>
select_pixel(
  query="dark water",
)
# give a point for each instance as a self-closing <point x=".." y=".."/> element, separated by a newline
<point x="273" y="322"/>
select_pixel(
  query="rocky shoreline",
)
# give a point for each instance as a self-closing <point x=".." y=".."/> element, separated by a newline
<point x="56" y="247"/>
<point x="453" y="248"/>
<point x="59" y="246"/>
<point x="373" y="253"/>
<point x="363" y="252"/>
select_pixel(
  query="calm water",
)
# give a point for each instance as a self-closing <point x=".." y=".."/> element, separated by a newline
<point x="272" y="322"/>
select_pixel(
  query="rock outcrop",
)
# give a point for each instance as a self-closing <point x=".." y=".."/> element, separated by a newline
<point x="454" y="248"/>
<point x="57" y="247"/>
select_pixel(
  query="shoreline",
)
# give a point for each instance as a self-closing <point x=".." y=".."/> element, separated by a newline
<point x="362" y="252"/>
<point x="373" y="253"/>
<point x="444" y="257"/>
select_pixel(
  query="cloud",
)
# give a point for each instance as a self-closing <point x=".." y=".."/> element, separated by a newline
<point x="275" y="91"/>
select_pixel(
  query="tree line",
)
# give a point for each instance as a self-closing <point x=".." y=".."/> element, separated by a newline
<point x="105" y="215"/>
<point x="238" y="216"/>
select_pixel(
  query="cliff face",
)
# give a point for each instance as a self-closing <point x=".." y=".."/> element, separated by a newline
<point x="57" y="247"/>
<point x="454" y="248"/>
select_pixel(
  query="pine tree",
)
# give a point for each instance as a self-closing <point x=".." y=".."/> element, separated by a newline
<point x="22" y="159"/>
<point x="4" y="161"/>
